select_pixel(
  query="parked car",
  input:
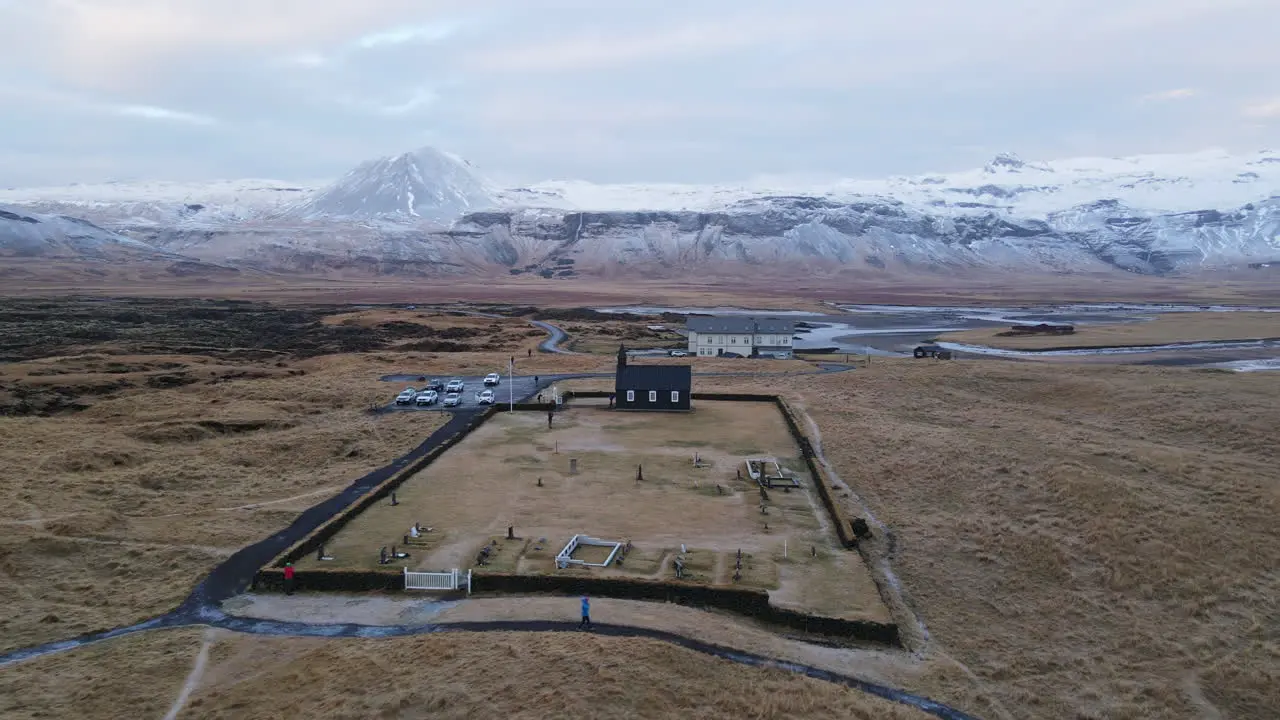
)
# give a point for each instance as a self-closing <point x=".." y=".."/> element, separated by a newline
<point x="455" y="386"/>
<point x="485" y="397"/>
<point x="452" y="400"/>
<point x="679" y="353"/>
<point x="437" y="385"/>
<point x="492" y="379"/>
<point x="406" y="396"/>
<point x="426" y="397"/>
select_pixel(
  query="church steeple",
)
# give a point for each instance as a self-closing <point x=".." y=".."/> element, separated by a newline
<point x="622" y="358"/>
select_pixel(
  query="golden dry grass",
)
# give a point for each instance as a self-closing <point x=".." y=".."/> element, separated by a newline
<point x="473" y="492"/>
<point x="783" y="290"/>
<point x="133" y="676"/>
<point x="1089" y="541"/>
<point x="457" y="675"/>
<point x="1164" y="329"/>
<point x="513" y="675"/>
<point x="112" y="514"/>
<point x="1082" y="541"/>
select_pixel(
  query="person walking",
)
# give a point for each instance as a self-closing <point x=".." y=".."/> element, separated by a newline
<point x="288" y="578"/>
<point x="586" y="614"/>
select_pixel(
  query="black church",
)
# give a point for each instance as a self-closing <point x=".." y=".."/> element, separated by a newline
<point x="652" y="387"/>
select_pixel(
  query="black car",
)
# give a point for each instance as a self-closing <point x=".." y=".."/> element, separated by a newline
<point x="437" y="385"/>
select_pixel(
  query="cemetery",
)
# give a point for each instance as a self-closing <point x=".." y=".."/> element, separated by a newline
<point x="718" y="497"/>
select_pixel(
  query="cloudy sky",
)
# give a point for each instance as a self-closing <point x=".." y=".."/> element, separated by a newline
<point x="622" y="90"/>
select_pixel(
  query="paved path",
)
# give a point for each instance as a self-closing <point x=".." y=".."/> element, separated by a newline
<point x="552" y="344"/>
<point x="233" y="576"/>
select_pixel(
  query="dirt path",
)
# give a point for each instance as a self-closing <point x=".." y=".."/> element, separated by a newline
<point x="221" y="552"/>
<point x="254" y="506"/>
<point x="193" y="678"/>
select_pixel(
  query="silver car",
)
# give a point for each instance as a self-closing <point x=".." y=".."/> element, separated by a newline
<point x="455" y="386"/>
<point x="426" y="397"/>
<point x="452" y="400"/>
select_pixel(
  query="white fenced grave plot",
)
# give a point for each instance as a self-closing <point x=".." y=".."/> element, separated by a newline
<point x="565" y="558"/>
<point x="447" y="580"/>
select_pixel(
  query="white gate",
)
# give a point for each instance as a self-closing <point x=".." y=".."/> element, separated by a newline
<point x="448" y="580"/>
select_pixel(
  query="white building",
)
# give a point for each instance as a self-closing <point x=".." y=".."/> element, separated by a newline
<point x="740" y="335"/>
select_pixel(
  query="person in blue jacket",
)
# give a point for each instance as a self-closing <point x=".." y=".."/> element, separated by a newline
<point x="586" y="614"/>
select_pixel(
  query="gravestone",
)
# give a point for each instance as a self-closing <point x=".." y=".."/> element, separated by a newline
<point x="860" y="528"/>
<point x="573" y="466"/>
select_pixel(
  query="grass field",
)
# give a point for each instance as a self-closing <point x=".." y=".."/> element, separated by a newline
<point x="1092" y="542"/>
<point x="122" y="486"/>
<point x="461" y="675"/>
<point x="1163" y="329"/>
<point x="1081" y="542"/>
<point x="490" y="481"/>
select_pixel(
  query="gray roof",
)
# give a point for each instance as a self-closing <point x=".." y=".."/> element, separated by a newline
<point x="741" y="324"/>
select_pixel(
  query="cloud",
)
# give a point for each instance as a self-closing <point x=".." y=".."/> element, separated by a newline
<point x="601" y="48"/>
<point x="715" y="90"/>
<point x="1264" y="110"/>
<point x="306" y="60"/>
<point x="428" y="33"/>
<point x="1169" y="95"/>
<point x="151" y="112"/>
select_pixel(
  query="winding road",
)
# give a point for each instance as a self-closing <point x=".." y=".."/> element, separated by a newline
<point x="233" y="576"/>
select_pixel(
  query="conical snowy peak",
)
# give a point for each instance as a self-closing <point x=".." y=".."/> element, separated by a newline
<point x="424" y="184"/>
<point x="1007" y="162"/>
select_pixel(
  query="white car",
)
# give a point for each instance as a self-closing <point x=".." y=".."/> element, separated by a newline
<point x="485" y="397"/>
<point x="452" y="400"/>
<point x="678" y="353"/>
<point x="426" y="397"/>
<point x="454" y="386"/>
<point x="406" y="396"/>
<point x="492" y="379"/>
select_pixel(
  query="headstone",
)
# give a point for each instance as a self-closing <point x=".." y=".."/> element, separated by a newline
<point x="813" y="550"/>
<point x="639" y="473"/>
<point x="382" y="555"/>
<point x="860" y="528"/>
<point x="511" y="532"/>
<point x="539" y="482"/>
<point x="393" y="499"/>
<point x="573" y="466"/>
<point x="320" y="552"/>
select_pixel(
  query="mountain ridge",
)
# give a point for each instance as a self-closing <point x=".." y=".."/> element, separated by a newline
<point x="430" y="213"/>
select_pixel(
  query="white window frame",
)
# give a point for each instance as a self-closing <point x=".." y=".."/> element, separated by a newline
<point x="675" y="396"/>
<point x="653" y="396"/>
<point x="631" y="396"/>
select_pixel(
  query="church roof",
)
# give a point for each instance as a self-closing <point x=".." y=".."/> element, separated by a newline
<point x="644" y="377"/>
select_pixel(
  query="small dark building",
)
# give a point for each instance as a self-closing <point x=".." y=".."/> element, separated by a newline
<point x="652" y="387"/>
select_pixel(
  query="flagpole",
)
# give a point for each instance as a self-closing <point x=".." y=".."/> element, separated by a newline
<point x="511" y="387"/>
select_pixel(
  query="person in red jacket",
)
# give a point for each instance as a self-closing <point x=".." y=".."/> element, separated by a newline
<point x="288" y="578"/>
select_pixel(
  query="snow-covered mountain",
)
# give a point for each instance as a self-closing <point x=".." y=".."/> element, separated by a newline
<point x="427" y="212"/>
<point x="31" y="235"/>
<point x="1007" y="184"/>
<point x="425" y="184"/>
<point x="163" y="204"/>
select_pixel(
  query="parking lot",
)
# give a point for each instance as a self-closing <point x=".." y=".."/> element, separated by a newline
<point x="519" y="388"/>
